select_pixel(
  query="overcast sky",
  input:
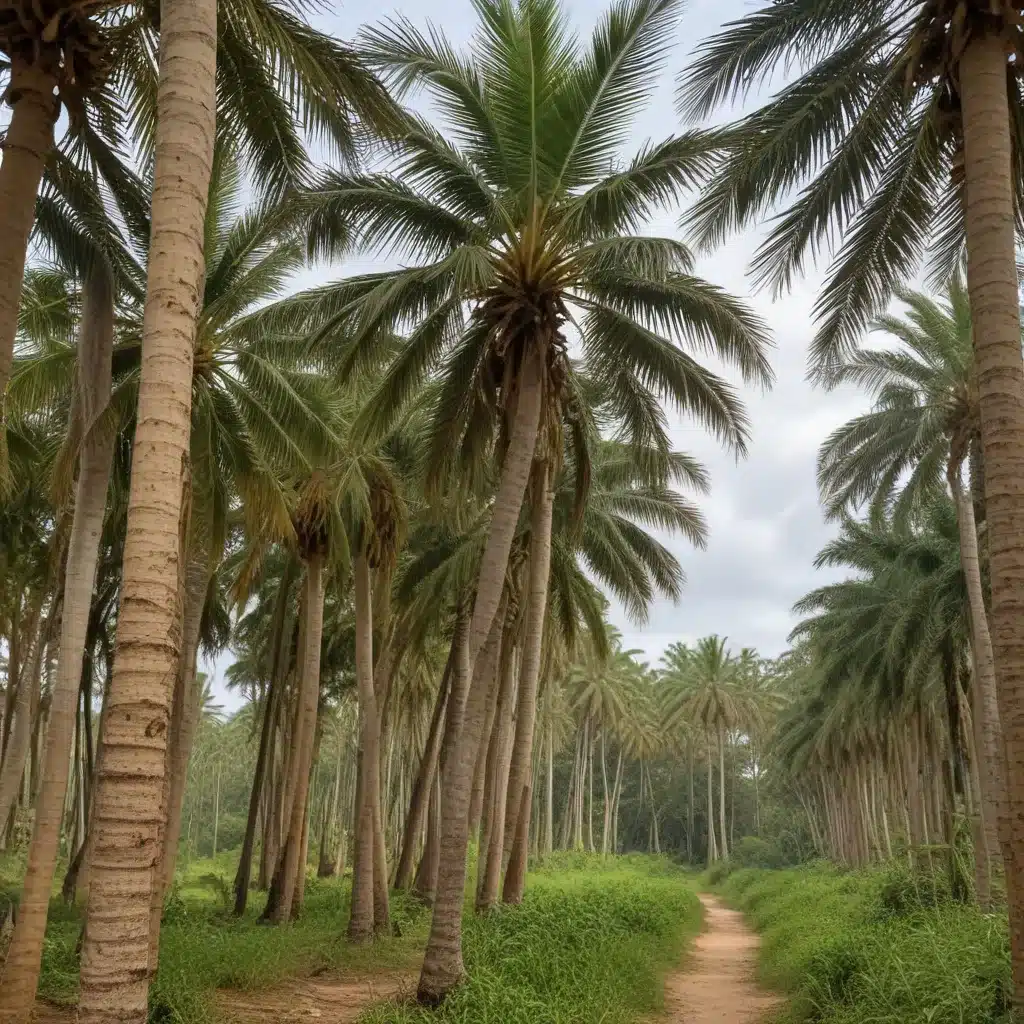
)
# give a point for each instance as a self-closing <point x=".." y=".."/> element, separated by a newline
<point x="765" y="524"/>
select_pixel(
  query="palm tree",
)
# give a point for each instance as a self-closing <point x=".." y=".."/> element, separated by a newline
<point x="130" y="778"/>
<point x="915" y="105"/>
<point x="514" y="222"/>
<point x="906" y="450"/>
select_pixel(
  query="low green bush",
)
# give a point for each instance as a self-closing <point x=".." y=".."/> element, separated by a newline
<point x="887" y="946"/>
<point x="586" y="947"/>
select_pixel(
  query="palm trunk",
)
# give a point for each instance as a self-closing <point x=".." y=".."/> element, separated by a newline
<point x="721" y="792"/>
<point x="26" y="147"/>
<point x="305" y="732"/>
<point x="508" y="501"/>
<point x="128" y="818"/>
<point x="503" y="727"/>
<point x="549" y="795"/>
<point x="424" y="783"/>
<point x="274" y="686"/>
<point x="361" y="920"/>
<point x="184" y="711"/>
<point x="25" y="687"/>
<point x="993" y="288"/>
<point x="21" y="970"/>
<point x="442" y="960"/>
<point x="712" y="845"/>
<point x="519" y="780"/>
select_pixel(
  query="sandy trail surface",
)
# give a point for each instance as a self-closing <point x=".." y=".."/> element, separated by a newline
<point x="322" y="1000"/>
<point x="716" y="984"/>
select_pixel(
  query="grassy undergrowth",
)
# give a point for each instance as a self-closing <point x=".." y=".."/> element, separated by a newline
<point x="879" y="946"/>
<point x="588" y="945"/>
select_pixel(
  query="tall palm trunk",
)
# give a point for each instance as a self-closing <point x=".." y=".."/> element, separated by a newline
<point x="308" y="697"/>
<point x="989" y="752"/>
<point x="508" y="501"/>
<point x="993" y="288"/>
<point x="361" y="920"/>
<point x="724" y="846"/>
<point x="127" y="818"/>
<point x="712" y="845"/>
<point x="274" y="686"/>
<point x="424" y="784"/>
<point x="520" y="783"/>
<point x="442" y="959"/>
<point x="24" y="685"/>
<point x="503" y="726"/>
<point x="184" y="711"/>
<point x="26" y="147"/>
<point x="21" y="970"/>
<point x="549" y="795"/>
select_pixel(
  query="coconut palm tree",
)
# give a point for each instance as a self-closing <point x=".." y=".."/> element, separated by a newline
<point x="915" y="105"/>
<point x="515" y="225"/>
<point x="130" y="777"/>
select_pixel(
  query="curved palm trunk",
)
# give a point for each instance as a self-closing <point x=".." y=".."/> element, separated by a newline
<point x="993" y="289"/>
<point x="442" y="960"/>
<point x="26" y="147"/>
<point x="21" y="970"/>
<point x="508" y="501"/>
<point x="424" y="783"/>
<point x="244" y="872"/>
<point x="127" y="819"/>
<point x="309" y="694"/>
<point x="519" y="781"/>
<point x="361" y="920"/>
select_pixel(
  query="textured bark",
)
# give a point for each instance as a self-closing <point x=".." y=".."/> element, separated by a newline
<point x="309" y="695"/>
<point x="519" y="781"/>
<point x="127" y="820"/>
<point x="442" y="960"/>
<point x="723" y="842"/>
<point x="26" y="147"/>
<point x="993" y="288"/>
<point x="361" y="920"/>
<point x="508" y="501"/>
<point x="96" y="340"/>
<point x="425" y="884"/>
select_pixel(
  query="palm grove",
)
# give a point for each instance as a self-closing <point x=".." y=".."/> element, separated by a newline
<point x="400" y="497"/>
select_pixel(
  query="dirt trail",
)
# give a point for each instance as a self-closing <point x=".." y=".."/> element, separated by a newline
<point x="716" y="985"/>
<point x="321" y="1000"/>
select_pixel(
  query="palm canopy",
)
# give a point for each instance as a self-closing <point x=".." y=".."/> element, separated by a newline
<point x="518" y="216"/>
<point x="924" y="416"/>
<point x="863" y="146"/>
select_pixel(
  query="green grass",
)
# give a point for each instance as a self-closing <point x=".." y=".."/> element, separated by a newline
<point x="589" y="945"/>
<point x="880" y="946"/>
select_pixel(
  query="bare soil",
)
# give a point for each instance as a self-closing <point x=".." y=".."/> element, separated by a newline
<point x="717" y="983"/>
<point x="321" y="1000"/>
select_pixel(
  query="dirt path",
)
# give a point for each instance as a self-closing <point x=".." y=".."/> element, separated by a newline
<point x="322" y="1000"/>
<point x="716" y="985"/>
